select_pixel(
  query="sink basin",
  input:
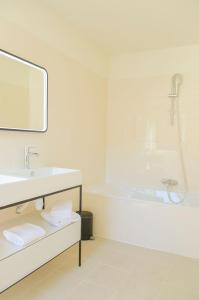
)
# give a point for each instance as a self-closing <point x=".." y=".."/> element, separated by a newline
<point x="23" y="184"/>
<point x="8" y="179"/>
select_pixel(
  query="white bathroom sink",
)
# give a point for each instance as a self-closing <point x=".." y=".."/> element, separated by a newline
<point x="23" y="184"/>
<point x="8" y="179"/>
<point x="40" y="172"/>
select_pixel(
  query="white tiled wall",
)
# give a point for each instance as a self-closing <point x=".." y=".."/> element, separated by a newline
<point x="142" y="147"/>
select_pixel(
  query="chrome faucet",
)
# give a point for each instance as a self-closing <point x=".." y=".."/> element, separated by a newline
<point x="29" y="151"/>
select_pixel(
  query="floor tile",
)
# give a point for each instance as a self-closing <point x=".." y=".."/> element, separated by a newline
<point x="111" y="271"/>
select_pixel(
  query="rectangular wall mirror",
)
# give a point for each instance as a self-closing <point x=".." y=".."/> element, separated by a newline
<point x="23" y="94"/>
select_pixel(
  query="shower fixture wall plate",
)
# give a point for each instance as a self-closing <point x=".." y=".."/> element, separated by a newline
<point x="169" y="182"/>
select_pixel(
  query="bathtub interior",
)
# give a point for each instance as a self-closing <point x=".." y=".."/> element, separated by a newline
<point x="143" y="194"/>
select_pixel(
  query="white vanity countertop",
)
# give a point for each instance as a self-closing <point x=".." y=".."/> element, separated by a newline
<point x="24" y="184"/>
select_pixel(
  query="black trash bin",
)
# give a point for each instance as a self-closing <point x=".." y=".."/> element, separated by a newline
<point x="87" y="225"/>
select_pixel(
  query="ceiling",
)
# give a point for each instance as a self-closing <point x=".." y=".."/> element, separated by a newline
<point x="133" y="25"/>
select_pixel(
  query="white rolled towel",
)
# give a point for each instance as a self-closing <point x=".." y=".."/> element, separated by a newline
<point x="39" y="204"/>
<point x="75" y="217"/>
<point x="24" y="234"/>
<point x="58" y="221"/>
<point x="62" y="209"/>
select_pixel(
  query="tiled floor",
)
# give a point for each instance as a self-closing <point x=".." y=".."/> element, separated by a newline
<point x="111" y="271"/>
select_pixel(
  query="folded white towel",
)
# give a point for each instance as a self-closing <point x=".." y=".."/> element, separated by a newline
<point x="24" y="234"/>
<point x="62" y="209"/>
<point x="58" y="221"/>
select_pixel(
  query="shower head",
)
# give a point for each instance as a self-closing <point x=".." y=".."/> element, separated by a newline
<point x="176" y="81"/>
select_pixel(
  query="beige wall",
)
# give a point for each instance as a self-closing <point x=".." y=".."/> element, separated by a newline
<point x="142" y="146"/>
<point x="77" y="92"/>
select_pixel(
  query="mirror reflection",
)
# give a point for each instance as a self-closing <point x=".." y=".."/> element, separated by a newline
<point x="23" y="94"/>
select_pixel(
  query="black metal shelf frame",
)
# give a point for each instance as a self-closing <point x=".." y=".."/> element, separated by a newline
<point x="44" y="198"/>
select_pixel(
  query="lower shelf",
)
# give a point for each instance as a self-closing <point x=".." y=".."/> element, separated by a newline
<point x="16" y="263"/>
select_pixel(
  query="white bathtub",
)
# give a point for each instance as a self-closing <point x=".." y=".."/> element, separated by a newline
<point x="128" y="216"/>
